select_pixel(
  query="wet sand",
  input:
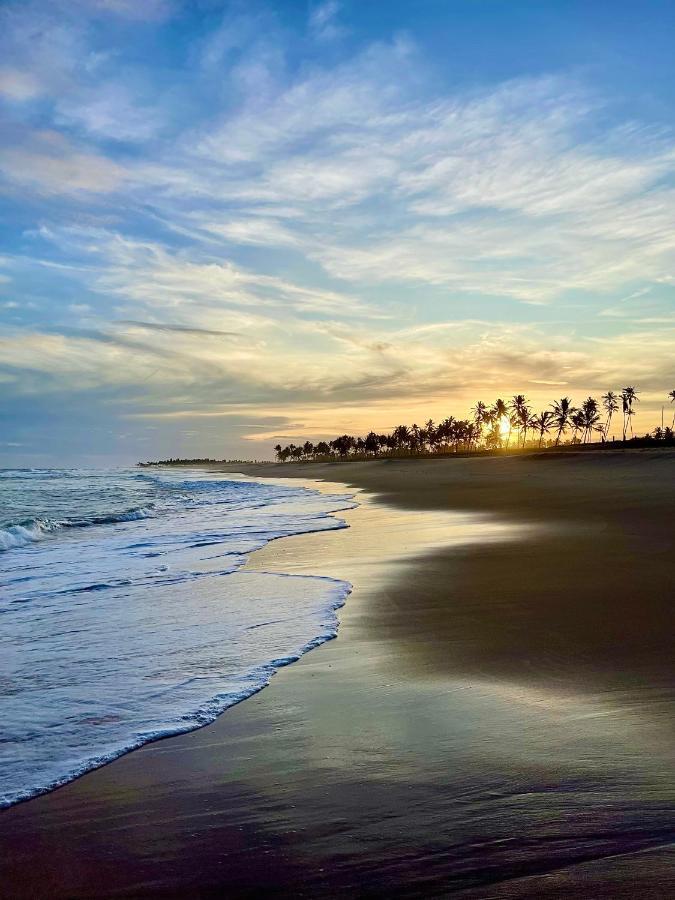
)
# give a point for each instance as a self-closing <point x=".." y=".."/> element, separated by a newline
<point x="494" y="719"/>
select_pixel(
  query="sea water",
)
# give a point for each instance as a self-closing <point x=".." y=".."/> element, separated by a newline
<point x="125" y="616"/>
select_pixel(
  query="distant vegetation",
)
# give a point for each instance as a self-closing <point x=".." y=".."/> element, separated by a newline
<point x="194" y="462"/>
<point x="504" y="425"/>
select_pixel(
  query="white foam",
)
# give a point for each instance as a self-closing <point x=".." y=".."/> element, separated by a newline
<point x="19" y="535"/>
<point x="117" y="634"/>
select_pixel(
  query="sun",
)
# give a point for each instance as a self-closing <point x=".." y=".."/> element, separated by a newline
<point x="504" y="426"/>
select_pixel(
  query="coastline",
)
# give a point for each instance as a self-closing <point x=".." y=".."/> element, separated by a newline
<point x="473" y="748"/>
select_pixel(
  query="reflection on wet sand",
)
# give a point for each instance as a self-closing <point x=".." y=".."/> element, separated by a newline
<point x="470" y="732"/>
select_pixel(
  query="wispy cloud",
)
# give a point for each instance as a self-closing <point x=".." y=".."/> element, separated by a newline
<point x="149" y="10"/>
<point x="49" y="163"/>
<point x="277" y="217"/>
<point x="323" y="21"/>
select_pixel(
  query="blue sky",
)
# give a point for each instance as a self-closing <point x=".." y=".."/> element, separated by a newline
<point x="225" y="225"/>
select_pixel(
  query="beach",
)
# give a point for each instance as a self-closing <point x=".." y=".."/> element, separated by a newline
<point x="494" y="718"/>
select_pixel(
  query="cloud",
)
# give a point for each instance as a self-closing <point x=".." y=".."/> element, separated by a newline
<point x="181" y="329"/>
<point x="149" y="274"/>
<point x="490" y="192"/>
<point x="149" y="10"/>
<point x="273" y="225"/>
<point x="111" y="112"/>
<point x="17" y="85"/>
<point x="49" y="163"/>
<point x="322" y="21"/>
<point x="255" y="230"/>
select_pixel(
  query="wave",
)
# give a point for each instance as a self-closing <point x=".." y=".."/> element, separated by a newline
<point x="26" y="533"/>
<point x="20" y="534"/>
<point x="163" y="609"/>
<point x="251" y="682"/>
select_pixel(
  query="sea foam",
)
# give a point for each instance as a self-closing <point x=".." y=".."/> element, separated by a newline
<point x="138" y="622"/>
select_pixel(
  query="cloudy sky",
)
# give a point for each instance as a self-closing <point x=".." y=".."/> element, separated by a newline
<point x="227" y="224"/>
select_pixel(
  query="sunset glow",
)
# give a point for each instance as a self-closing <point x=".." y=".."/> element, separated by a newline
<point x="277" y="221"/>
<point x="505" y="427"/>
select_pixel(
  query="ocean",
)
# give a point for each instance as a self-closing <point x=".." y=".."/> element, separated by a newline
<point x="125" y="616"/>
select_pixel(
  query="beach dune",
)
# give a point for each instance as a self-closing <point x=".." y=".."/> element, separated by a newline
<point x="494" y="719"/>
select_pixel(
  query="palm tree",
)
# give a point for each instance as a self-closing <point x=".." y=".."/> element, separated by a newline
<point x="562" y="413"/>
<point x="610" y="403"/>
<point x="401" y="436"/>
<point x="521" y="413"/>
<point x="372" y="442"/>
<point x="499" y="413"/>
<point x="577" y="423"/>
<point x="342" y="445"/>
<point x="385" y="441"/>
<point x="523" y="416"/>
<point x="444" y="430"/>
<point x="466" y="435"/>
<point x="473" y="432"/>
<point x="461" y="433"/>
<point x="589" y="418"/>
<point x="480" y="414"/>
<point x="628" y="397"/>
<point x="430" y="430"/>
<point x="543" y="424"/>
<point x="499" y="408"/>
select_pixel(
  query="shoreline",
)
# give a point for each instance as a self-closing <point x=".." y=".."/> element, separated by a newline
<point x="404" y="756"/>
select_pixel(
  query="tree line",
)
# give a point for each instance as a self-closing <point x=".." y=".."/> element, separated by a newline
<point x="500" y="426"/>
<point x="197" y="461"/>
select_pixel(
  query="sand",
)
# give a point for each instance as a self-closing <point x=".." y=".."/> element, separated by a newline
<point x="494" y="719"/>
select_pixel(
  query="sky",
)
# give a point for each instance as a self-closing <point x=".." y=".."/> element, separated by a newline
<point x="225" y="225"/>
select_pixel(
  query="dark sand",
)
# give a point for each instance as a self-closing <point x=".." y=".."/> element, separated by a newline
<point x="494" y="719"/>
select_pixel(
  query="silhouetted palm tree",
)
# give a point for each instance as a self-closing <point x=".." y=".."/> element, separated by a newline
<point x="480" y="415"/>
<point x="628" y="397"/>
<point x="576" y="421"/>
<point x="562" y="413"/>
<point x="543" y="424"/>
<point x="610" y="403"/>
<point x="499" y="412"/>
<point x="462" y="435"/>
<point x="430" y="432"/>
<point x="372" y="442"/>
<point x="589" y="417"/>
<point x="401" y="436"/>
<point x="523" y="416"/>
